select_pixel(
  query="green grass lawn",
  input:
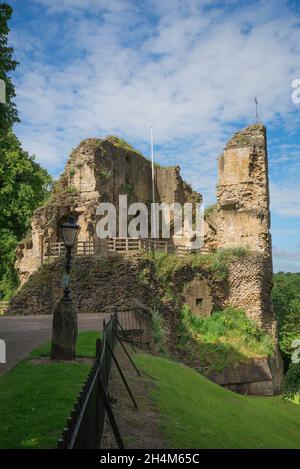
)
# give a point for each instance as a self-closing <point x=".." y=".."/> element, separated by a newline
<point x="196" y="413"/>
<point x="36" y="399"/>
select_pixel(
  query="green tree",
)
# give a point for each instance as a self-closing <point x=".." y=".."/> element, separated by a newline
<point x="8" y="111"/>
<point x="23" y="183"/>
<point x="286" y="300"/>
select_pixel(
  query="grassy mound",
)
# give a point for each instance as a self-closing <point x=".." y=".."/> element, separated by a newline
<point x="227" y="337"/>
<point x="36" y="399"/>
<point x="196" y="413"/>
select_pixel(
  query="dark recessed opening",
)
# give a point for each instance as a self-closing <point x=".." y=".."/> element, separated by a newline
<point x="229" y="207"/>
<point x="199" y="302"/>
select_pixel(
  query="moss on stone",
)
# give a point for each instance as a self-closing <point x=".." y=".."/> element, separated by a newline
<point x="120" y="143"/>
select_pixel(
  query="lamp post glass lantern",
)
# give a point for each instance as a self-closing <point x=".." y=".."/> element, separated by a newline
<point x="70" y="232"/>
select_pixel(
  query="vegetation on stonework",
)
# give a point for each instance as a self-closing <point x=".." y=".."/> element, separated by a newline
<point x="166" y="265"/>
<point x="120" y="143"/>
<point x="71" y="190"/>
<point x="105" y="174"/>
<point x="36" y="397"/>
<point x="79" y="164"/>
<point x="210" y="209"/>
<point x="226" y="337"/>
<point x="242" y="139"/>
<point x="158" y="327"/>
<point x="207" y="344"/>
<point x="197" y="413"/>
<point x="127" y="189"/>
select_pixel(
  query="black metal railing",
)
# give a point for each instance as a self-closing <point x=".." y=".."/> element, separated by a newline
<point x="85" y="426"/>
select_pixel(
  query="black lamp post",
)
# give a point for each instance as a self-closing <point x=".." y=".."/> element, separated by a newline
<point x="64" y="327"/>
<point x="70" y="232"/>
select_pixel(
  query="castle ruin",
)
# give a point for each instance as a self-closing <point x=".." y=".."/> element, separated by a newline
<point x="99" y="170"/>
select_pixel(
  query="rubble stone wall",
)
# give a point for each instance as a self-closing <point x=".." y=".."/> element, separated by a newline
<point x="97" y="171"/>
<point x="243" y="192"/>
<point x="249" y="288"/>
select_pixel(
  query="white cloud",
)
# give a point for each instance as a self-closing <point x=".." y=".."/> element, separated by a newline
<point x="190" y="71"/>
<point x="285" y="260"/>
<point x="285" y="199"/>
<point x="55" y="6"/>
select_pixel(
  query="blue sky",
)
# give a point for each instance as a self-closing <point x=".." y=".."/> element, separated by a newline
<point x="190" y="68"/>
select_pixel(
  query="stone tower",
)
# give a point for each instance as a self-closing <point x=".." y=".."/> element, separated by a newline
<point x="243" y="220"/>
<point x="243" y="192"/>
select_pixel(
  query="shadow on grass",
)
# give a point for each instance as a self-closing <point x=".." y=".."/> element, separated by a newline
<point x="206" y="356"/>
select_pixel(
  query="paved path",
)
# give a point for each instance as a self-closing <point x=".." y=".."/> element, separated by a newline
<point x="23" y="333"/>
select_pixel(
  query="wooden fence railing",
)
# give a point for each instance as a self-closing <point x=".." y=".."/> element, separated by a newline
<point x="134" y="244"/>
<point x="150" y="245"/>
<point x="82" y="248"/>
<point x="122" y="245"/>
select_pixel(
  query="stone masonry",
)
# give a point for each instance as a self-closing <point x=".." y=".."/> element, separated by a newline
<point x="98" y="170"/>
<point x="241" y="219"/>
<point x="243" y="192"/>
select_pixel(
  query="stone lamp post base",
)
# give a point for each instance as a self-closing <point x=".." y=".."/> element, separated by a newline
<point x="64" y="331"/>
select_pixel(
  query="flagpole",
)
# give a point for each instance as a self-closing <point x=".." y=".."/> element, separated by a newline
<point x="153" y="178"/>
<point x="256" y="107"/>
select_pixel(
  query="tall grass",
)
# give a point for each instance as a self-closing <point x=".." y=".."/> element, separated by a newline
<point x="222" y="339"/>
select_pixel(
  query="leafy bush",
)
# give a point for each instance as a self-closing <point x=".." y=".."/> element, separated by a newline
<point x="224" y="338"/>
<point x="158" y="327"/>
<point x="291" y="386"/>
<point x="286" y="300"/>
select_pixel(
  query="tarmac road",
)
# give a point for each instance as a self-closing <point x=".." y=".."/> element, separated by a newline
<point x="23" y="333"/>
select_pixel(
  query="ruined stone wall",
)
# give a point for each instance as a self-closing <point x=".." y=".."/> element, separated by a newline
<point x="198" y="297"/>
<point x="242" y="219"/>
<point x="249" y="288"/>
<point x="243" y="192"/>
<point x="98" y="170"/>
<point x="97" y="285"/>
